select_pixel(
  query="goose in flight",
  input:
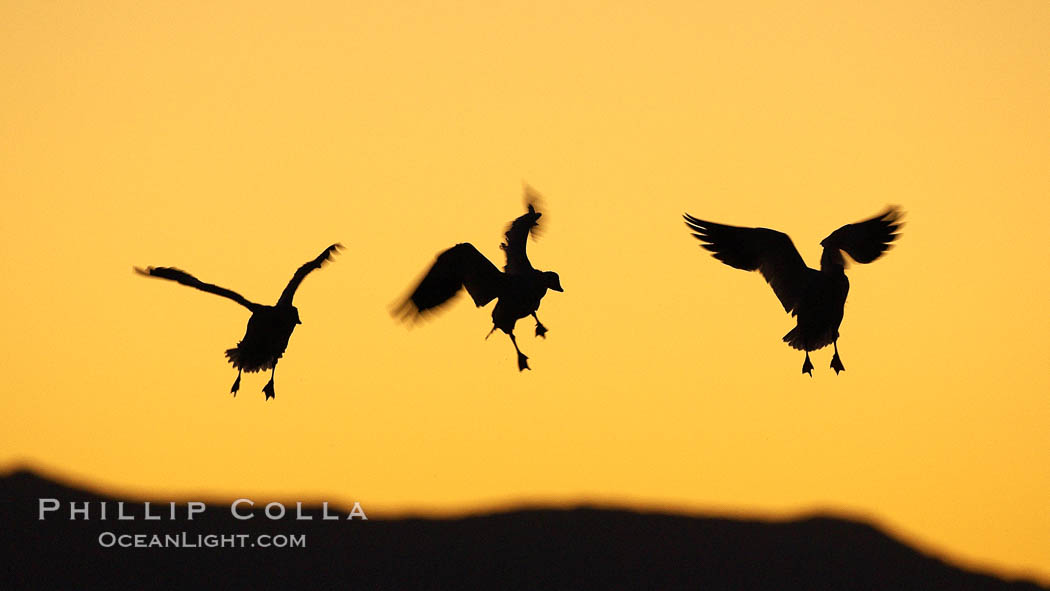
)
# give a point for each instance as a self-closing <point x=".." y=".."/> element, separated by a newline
<point x="269" y="327"/>
<point x="816" y="298"/>
<point x="517" y="290"/>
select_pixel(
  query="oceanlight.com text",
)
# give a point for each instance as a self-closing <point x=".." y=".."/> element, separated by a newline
<point x="188" y="540"/>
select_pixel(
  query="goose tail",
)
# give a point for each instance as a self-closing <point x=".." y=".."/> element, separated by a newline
<point x="803" y="341"/>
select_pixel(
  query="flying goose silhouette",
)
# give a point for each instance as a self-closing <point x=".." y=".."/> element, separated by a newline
<point x="517" y="290"/>
<point x="816" y="298"/>
<point x="269" y="327"/>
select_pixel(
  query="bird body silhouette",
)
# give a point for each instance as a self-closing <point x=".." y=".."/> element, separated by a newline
<point x="517" y="290"/>
<point x="816" y="298"/>
<point x="265" y="339"/>
<point x="269" y="327"/>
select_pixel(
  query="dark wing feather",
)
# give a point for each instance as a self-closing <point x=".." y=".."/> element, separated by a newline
<point x="185" y="278"/>
<point x="458" y="267"/>
<point x="289" y="290"/>
<point x="516" y="237"/>
<point x="866" y="241"/>
<point x="756" y="249"/>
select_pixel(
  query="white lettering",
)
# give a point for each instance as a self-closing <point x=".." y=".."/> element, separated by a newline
<point x="50" y="507"/>
<point x="73" y="511"/>
<point x="324" y="511"/>
<point x="273" y="504"/>
<point x="233" y="509"/>
<point x="194" y="508"/>
<point x="357" y="511"/>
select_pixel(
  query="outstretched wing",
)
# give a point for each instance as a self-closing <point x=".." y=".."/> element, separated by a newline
<point x="302" y="272"/>
<point x="866" y="241"/>
<point x="517" y="236"/>
<point x="460" y="266"/>
<point x="185" y="278"/>
<point x="756" y="249"/>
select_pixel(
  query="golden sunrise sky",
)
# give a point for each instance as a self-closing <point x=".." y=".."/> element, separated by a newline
<point x="237" y="140"/>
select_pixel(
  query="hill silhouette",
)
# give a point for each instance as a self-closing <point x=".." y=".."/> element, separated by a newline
<point x="581" y="548"/>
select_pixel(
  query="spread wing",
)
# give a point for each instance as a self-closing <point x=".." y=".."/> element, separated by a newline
<point x="866" y="241"/>
<point x="302" y="272"/>
<point x="458" y="267"/>
<point x="517" y="236"/>
<point x="757" y="249"/>
<point x="185" y="278"/>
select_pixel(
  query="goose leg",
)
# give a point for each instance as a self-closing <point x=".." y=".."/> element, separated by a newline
<point x="268" y="388"/>
<point x="807" y="366"/>
<point x="541" y="331"/>
<point x="836" y="363"/>
<point x="523" y="363"/>
<point x="236" y="383"/>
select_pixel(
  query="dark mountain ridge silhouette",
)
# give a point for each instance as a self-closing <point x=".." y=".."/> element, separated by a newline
<point x="579" y="548"/>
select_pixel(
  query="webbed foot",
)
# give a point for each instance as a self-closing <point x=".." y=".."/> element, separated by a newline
<point x="523" y="362"/>
<point x="836" y="364"/>
<point x="268" y="390"/>
<point x="236" y="384"/>
<point x="807" y="366"/>
<point x="541" y="331"/>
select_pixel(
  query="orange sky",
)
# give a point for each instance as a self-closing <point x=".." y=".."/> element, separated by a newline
<point x="236" y="141"/>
